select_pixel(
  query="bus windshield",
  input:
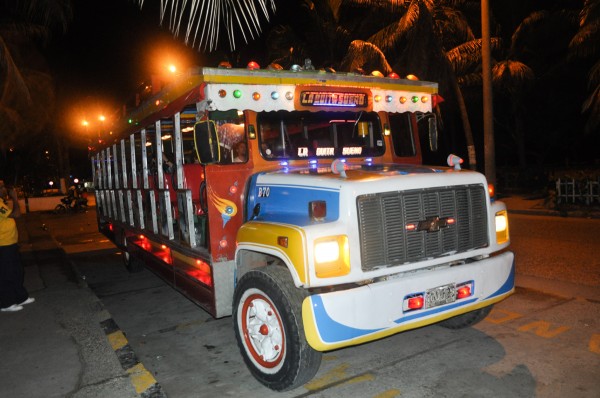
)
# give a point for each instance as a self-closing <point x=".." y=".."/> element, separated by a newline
<point x="302" y="135"/>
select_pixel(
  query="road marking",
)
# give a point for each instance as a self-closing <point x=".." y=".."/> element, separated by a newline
<point x="337" y="376"/>
<point x="361" y="378"/>
<point x="496" y="316"/>
<point x="595" y="343"/>
<point x="542" y="329"/>
<point x="388" y="394"/>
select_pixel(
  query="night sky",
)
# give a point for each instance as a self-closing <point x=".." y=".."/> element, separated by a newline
<point x="110" y="48"/>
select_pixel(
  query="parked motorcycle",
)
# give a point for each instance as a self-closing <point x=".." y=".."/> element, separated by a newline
<point x="71" y="204"/>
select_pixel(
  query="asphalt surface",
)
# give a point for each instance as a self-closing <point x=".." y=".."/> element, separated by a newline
<point x="58" y="346"/>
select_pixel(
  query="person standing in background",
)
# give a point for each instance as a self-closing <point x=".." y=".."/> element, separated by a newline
<point x="13" y="294"/>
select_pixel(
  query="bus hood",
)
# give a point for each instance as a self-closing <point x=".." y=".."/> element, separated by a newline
<point x="285" y="195"/>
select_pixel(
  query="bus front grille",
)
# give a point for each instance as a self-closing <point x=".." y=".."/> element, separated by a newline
<point x="409" y="226"/>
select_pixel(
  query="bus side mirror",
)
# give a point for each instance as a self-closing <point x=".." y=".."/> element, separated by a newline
<point x="433" y="134"/>
<point x="206" y="141"/>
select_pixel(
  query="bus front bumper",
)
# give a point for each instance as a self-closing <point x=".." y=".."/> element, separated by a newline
<point x="354" y="316"/>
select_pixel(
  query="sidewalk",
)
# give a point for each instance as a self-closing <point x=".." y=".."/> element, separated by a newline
<point x="55" y="347"/>
<point x="534" y="205"/>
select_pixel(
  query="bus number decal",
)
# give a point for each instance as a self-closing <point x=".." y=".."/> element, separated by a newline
<point x="264" y="192"/>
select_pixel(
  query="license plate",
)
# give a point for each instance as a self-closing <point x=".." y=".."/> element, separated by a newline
<point x="440" y="295"/>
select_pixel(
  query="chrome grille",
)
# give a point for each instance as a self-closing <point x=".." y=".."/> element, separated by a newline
<point x="386" y="219"/>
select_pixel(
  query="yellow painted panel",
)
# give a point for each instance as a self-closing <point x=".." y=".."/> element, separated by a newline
<point x="264" y="235"/>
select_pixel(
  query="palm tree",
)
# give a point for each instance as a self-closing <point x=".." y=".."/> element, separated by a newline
<point x="312" y="30"/>
<point x="431" y="39"/>
<point x="205" y="20"/>
<point x="26" y="86"/>
<point x="585" y="45"/>
<point x="532" y="58"/>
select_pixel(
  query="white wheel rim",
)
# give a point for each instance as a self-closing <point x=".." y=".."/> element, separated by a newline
<point x="261" y="330"/>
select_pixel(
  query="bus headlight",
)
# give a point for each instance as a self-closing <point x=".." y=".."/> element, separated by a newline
<point x="502" y="227"/>
<point x="332" y="256"/>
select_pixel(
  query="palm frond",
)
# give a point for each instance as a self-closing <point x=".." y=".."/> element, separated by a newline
<point x="388" y="6"/>
<point x="389" y="37"/>
<point x="14" y="91"/>
<point x="590" y="12"/>
<point x="465" y="57"/>
<point x="35" y="18"/>
<point x="539" y="26"/>
<point x="366" y="56"/>
<point x="592" y="106"/>
<point x="204" y="20"/>
<point x="512" y="76"/>
<point x="451" y="26"/>
<point x="471" y="80"/>
<point x="594" y="75"/>
<point x="586" y="43"/>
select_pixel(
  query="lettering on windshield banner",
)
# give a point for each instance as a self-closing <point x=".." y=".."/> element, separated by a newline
<point x="303" y="152"/>
<point x="325" y="98"/>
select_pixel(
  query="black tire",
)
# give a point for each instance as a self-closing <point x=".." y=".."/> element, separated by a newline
<point x="466" y="320"/>
<point x="291" y="361"/>
<point x="60" y="209"/>
<point x="132" y="263"/>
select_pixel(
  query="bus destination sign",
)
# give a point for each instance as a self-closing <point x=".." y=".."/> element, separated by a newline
<point x="327" y="98"/>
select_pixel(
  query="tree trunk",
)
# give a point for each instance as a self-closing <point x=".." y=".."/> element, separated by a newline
<point x="465" y="121"/>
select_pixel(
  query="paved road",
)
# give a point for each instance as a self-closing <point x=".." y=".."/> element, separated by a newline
<point x="533" y="344"/>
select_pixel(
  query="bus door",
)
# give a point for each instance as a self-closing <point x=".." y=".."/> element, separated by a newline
<point x="226" y="182"/>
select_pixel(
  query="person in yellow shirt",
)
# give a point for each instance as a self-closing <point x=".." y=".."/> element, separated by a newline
<point x="13" y="294"/>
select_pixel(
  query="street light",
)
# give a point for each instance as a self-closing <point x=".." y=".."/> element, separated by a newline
<point x="101" y="118"/>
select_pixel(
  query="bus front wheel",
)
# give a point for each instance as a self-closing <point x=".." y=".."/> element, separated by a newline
<point x="267" y="318"/>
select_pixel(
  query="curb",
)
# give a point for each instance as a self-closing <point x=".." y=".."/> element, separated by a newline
<point x="555" y="213"/>
<point x="142" y="380"/>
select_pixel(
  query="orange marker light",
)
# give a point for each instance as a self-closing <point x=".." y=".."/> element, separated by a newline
<point x="282" y="241"/>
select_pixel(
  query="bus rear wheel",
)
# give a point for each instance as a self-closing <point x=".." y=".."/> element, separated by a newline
<point x="267" y="318"/>
<point x="132" y="263"/>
